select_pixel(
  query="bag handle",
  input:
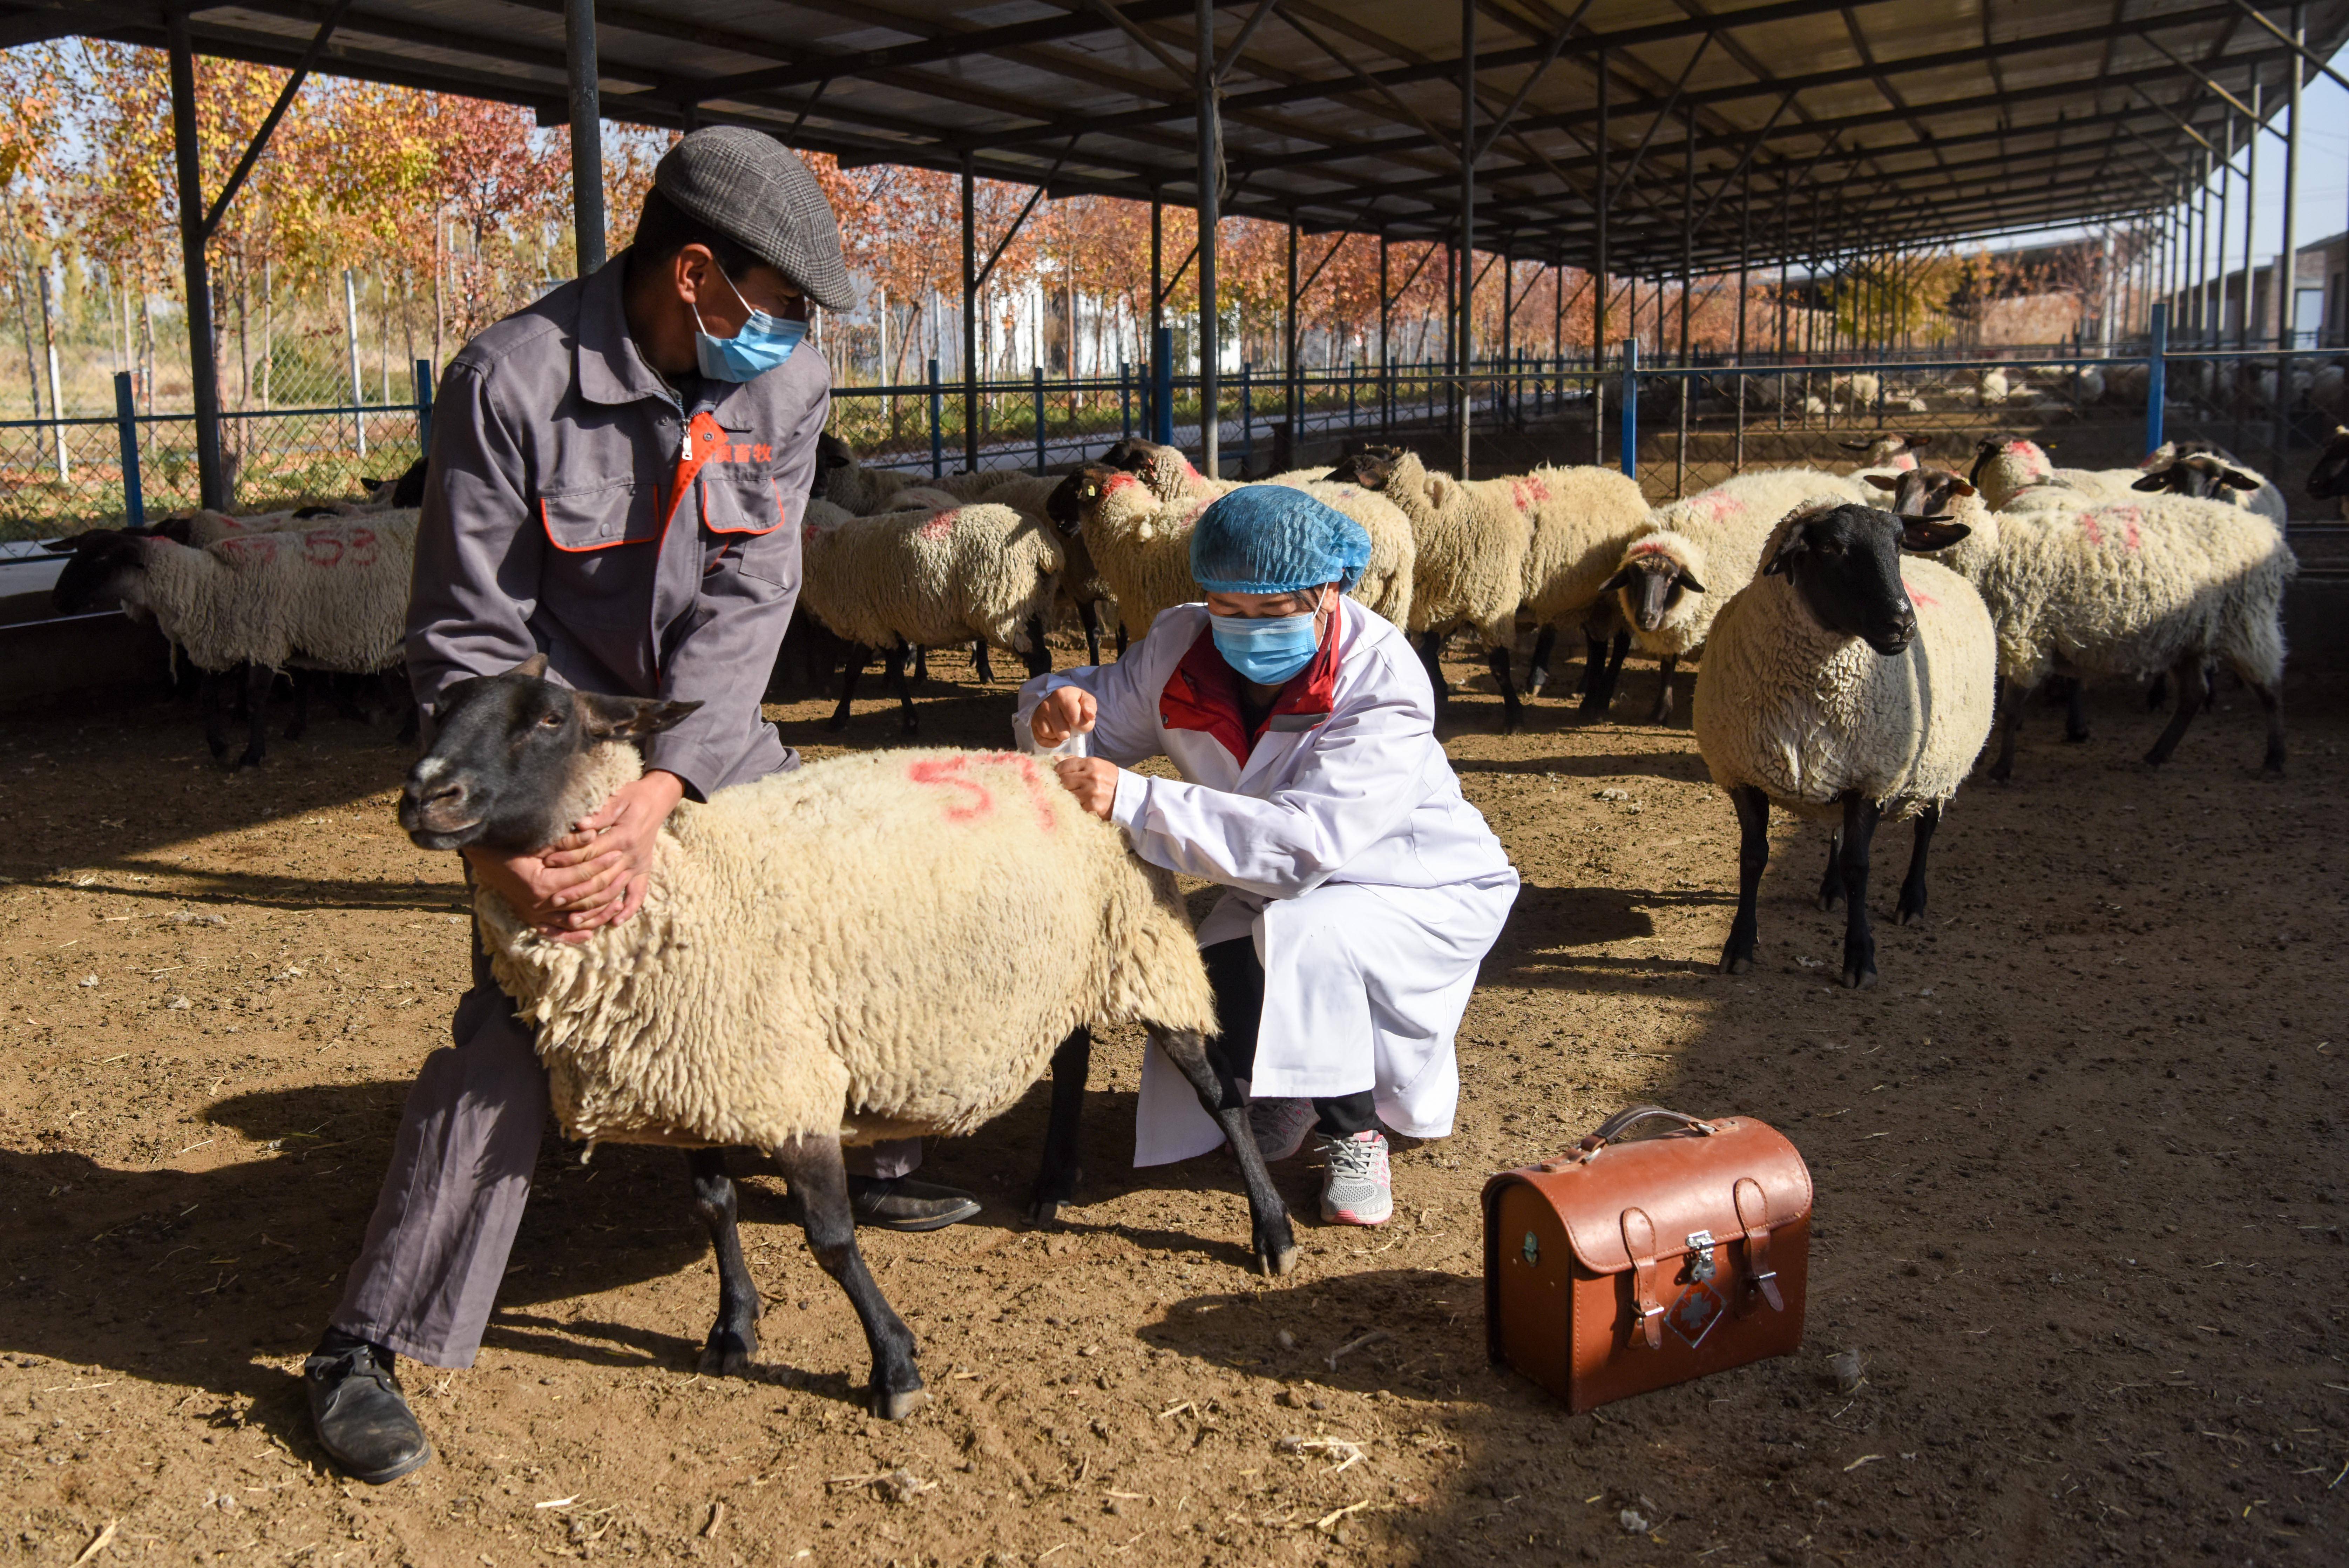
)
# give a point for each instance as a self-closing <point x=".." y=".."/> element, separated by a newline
<point x="1612" y="1129"/>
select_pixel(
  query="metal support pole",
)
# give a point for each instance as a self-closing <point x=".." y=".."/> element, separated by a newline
<point x="1688" y="284"/>
<point x="1210" y="138"/>
<point x="2287" y="287"/>
<point x="1293" y="390"/>
<point x="1467" y="356"/>
<point x="2156" y="376"/>
<point x="937" y="423"/>
<point x="424" y="407"/>
<point x="1507" y="399"/>
<point x="1124" y="400"/>
<point x="1247" y="417"/>
<point x="969" y="314"/>
<point x="126" y="424"/>
<point x="351" y="339"/>
<point x="1631" y="409"/>
<point x="1598" y="281"/>
<point x="1386" y="351"/>
<point x="2216" y="333"/>
<point x="1744" y="259"/>
<point x="1038" y="385"/>
<point x="56" y="404"/>
<point x="586" y="132"/>
<point x="203" y="368"/>
<point x="1162" y="385"/>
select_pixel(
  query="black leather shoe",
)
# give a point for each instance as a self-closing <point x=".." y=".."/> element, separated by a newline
<point x="901" y="1203"/>
<point x="362" y="1419"/>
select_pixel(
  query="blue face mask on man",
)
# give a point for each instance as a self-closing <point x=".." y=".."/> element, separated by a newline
<point x="1266" y="650"/>
<point x="764" y="342"/>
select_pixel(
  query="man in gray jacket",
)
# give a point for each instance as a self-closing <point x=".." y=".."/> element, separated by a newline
<point x="617" y="482"/>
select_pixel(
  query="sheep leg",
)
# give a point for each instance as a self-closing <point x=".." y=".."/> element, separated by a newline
<point x="1661" y="712"/>
<point x="1121" y="640"/>
<point x="734" y="1338"/>
<point x="2272" y="700"/>
<point x="400" y="699"/>
<point x="982" y="662"/>
<point x="812" y="1167"/>
<point x="1600" y="675"/>
<point x="300" y="724"/>
<point x="1860" y="815"/>
<point x="1537" y="672"/>
<point x="258" y="680"/>
<point x="1752" y="856"/>
<point x="1513" y="712"/>
<point x="1911" y="909"/>
<point x="2017" y="695"/>
<point x="2076" y="711"/>
<point x="1056" y="1182"/>
<point x="921" y="664"/>
<point x="1274" y="1241"/>
<point x="1089" y="615"/>
<point x="1430" y="655"/>
<point x="1831" y="883"/>
<point x="858" y="656"/>
<point x="894" y="664"/>
<point x="2157" y="693"/>
<point x="1040" y="652"/>
<point x="208" y="699"/>
<point x="2188" y="673"/>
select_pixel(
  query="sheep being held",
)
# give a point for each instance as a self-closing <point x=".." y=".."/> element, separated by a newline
<point x="779" y="988"/>
<point x="1849" y="681"/>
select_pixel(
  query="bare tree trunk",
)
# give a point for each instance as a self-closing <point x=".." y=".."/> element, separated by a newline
<point x="25" y="322"/>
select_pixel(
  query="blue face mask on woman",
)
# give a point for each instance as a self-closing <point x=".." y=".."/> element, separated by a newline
<point x="1266" y="650"/>
<point x="764" y="342"/>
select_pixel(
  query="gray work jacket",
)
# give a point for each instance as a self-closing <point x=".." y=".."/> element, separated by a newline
<point x="570" y="510"/>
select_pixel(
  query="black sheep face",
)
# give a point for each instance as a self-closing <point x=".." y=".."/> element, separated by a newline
<point x="1132" y="455"/>
<point x="2203" y="477"/>
<point x="1370" y="466"/>
<point x="1066" y="505"/>
<point x="1845" y="563"/>
<point x="2330" y="479"/>
<point x="1651" y="585"/>
<point x="503" y="756"/>
<point x="104" y="561"/>
<point x="831" y="453"/>
<point x="1921" y="491"/>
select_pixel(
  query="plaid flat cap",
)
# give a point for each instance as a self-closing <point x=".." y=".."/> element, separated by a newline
<point x="751" y="187"/>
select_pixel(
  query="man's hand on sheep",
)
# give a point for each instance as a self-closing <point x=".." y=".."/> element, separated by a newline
<point x="1093" y="781"/>
<point x="1065" y="712"/>
<point x="593" y="877"/>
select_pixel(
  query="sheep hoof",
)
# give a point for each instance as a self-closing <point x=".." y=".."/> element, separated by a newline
<point x="897" y="1404"/>
<point x="1736" y="962"/>
<point x="219" y="749"/>
<point x="251" y="759"/>
<point x="727" y="1352"/>
<point x="1856" y="978"/>
<point x="837" y="723"/>
<point x="2072" y="738"/>
<point x="1046" y="1210"/>
<point x="2153" y="759"/>
<point x="1277" y="1262"/>
<point x="1911" y="909"/>
<point x="1827" y="901"/>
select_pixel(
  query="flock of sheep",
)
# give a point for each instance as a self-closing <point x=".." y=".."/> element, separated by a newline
<point x="1856" y="632"/>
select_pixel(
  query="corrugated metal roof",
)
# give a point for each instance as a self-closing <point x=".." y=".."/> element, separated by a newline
<point x="1851" y="125"/>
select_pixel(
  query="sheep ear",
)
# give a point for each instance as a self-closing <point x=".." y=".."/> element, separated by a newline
<point x="2236" y="479"/>
<point x="1883" y="483"/>
<point x="1918" y="442"/>
<point x="1960" y="487"/>
<point x="2153" y="481"/>
<point x="1620" y="580"/>
<point x="1796" y="542"/>
<point x="1923" y="534"/>
<point x="1689" y="583"/>
<point x="534" y="666"/>
<point x="628" y="718"/>
<point x="1853" y="445"/>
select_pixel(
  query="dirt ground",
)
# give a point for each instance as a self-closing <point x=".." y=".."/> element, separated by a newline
<point x="2079" y="1169"/>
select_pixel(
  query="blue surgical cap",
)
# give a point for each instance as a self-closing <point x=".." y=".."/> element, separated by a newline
<point x="1270" y="539"/>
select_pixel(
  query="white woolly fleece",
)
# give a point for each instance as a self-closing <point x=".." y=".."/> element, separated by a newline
<point x="930" y="577"/>
<point x="1583" y="520"/>
<point x="2128" y="588"/>
<point x="1468" y="550"/>
<point x="395" y="527"/>
<point x="1806" y="714"/>
<point x="1717" y="535"/>
<point x="778" y="982"/>
<point x="333" y="597"/>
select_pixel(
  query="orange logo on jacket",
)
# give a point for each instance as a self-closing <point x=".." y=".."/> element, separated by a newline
<point x="704" y="442"/>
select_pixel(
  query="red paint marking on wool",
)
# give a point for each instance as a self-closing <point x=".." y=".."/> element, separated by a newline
<point x="321" y="548"/>
<point x="939" y="526"/>
<point x="1040" y="794"/>
<point x="977" y="800"/>
<point x="808" y="532"/>
<point x="1528" y="491"/>
<point x="1919" y="598"/>
<point x="1651" y="549"/>
<point x="2088" y="526"/>
<point x="257" y="547"/>
<point x="1906" y="463"/>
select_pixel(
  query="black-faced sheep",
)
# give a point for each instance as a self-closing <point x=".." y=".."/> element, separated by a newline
<point x="779" y="989"/>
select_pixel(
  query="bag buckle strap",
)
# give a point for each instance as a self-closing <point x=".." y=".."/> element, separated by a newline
<point x="1761" y="1279"/>
<point x="1640" y="1241"/>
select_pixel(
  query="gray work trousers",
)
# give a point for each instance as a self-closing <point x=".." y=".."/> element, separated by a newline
<point x="426" y="1276"/>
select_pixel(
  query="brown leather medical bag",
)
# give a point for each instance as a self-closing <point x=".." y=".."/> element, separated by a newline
<point x="1629" y="1266"/>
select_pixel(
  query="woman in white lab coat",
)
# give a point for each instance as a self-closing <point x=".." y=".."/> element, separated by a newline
<point x="1363" y="888"/>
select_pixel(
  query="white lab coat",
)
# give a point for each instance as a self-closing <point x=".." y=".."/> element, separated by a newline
<point x="1372" y="887"/>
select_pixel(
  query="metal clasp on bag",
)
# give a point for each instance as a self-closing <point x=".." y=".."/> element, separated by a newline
<point x="1702" y="1266"/>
